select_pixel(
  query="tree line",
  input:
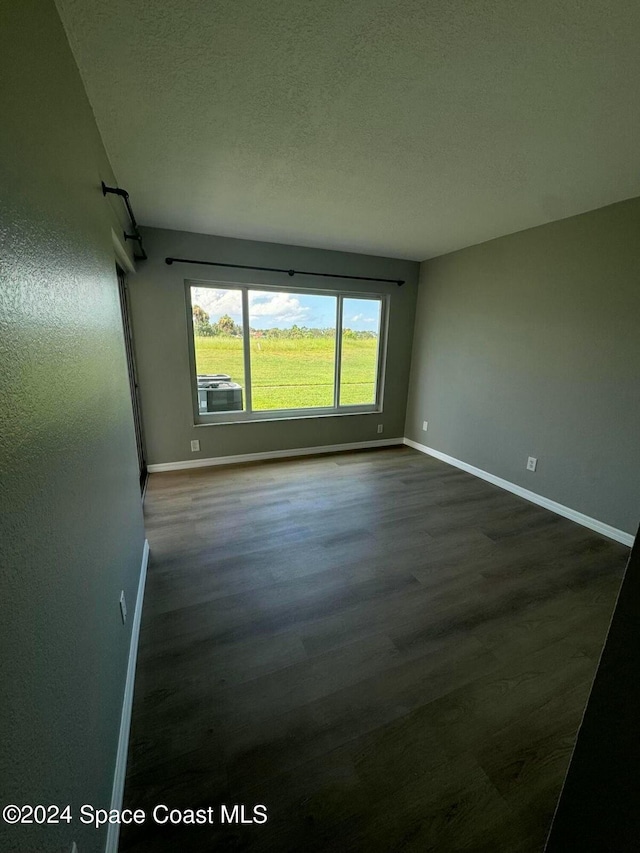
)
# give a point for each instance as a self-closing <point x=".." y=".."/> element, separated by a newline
<point x="226" y="326"/>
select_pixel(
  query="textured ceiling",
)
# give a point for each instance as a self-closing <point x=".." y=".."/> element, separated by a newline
<point x="406" y="127"/>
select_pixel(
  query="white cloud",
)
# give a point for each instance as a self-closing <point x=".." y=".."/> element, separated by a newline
<point x="282" y="307"/>
<point x="360" y="318"/>
<point x="218" y="302"/>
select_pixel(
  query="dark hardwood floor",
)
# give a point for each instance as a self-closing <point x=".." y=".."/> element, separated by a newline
<point x="388" y="653"/>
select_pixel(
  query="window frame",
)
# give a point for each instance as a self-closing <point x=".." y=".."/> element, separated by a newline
<point x="248" y="415"/>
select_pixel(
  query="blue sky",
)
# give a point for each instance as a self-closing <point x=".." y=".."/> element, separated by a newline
<point x="268" y="309"/>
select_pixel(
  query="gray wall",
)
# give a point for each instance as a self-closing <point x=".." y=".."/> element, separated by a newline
<point x="528" y="346"/>
<point x="70" y="514"/>
<point x="160" y="332"/>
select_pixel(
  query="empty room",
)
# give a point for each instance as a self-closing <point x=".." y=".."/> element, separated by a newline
<point x="319" y="426"/>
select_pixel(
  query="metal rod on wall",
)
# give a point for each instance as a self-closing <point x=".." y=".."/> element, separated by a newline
<point x="398" y="281"/>
<point x="124" y="195"/>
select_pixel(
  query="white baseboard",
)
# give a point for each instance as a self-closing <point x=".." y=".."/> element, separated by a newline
<point x="270" y="454"/>
<point x="117" y="794"/>
<point x="547" y="503"/>
<point x="565" y="511"/>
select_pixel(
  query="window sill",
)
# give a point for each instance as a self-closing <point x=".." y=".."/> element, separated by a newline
<point x="269" y="417"/>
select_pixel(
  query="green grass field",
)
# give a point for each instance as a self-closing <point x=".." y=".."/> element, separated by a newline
<point x="294" y="373"/>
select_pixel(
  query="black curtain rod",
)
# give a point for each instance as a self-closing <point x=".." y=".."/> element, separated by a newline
<point x="124" y="195"/>
<point x="398" y="281"/>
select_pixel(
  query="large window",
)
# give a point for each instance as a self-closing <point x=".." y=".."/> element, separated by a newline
<point x="261" y="353"/>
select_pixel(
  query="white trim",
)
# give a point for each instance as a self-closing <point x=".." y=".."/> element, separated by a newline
<point x="117" y="793"/>
<point x="337" y="356"/>
<point x="270" y="454"/>
<point x="547" y="503"/>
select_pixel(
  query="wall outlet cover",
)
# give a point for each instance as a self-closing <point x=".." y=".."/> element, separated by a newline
<point x="380" y="427"/>
<point x="532" y="463"/>
<point x="195" y="445"/>
<point x="425" y="424"/>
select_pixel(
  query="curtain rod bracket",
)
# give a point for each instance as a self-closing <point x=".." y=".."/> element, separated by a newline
<point x="124" y="195"/>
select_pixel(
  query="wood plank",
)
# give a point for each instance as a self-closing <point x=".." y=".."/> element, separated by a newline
<point x="387" y="652"/>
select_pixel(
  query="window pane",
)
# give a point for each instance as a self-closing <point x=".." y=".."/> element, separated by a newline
<point x="218" y="338"/>
<point x="292" y="350"/>
<point x="360" y="345"/>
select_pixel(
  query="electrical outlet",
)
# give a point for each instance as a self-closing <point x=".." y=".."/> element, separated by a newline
<point x="380" y="428"/>
<point x="123" y="607"/>
<point x="532" y="462"/>
<point x="195" y="445"/>
<point x="425" y="425"/>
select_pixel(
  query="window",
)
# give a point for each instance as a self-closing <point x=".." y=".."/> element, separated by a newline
<point x="260" y="353"/>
